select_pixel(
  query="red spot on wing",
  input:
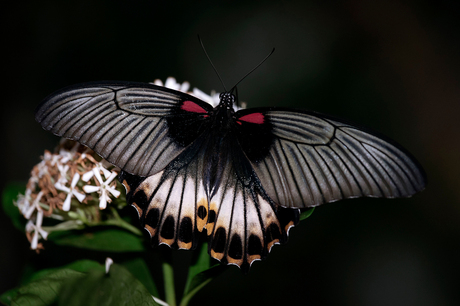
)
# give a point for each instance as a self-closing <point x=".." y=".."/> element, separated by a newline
<point x="257" y="118"/>
<point x="190" y="106"/>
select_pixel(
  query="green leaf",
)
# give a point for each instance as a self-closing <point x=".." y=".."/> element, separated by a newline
<point x="140" y="270"/>
<point x="83" y="266"/>
<point x="99" y="239"/>
<point x="8" y="296"/>
<point x="44" y="291"/>
<point x="200" y="273"/>
<point x="200" y="280"/>
<point x="9" y="195"/>
<point x="305" y="214"/>
<point x="201" y="261"/>
<point x="118" y="287"/>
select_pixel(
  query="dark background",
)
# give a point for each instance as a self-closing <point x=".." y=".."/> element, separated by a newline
<point x="390" y="65"/>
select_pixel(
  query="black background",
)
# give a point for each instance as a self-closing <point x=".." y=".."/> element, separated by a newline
<point x="389" y="65"/>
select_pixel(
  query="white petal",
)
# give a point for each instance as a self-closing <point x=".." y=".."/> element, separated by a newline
<point x="87" y="176"/>
<point x="29" y="212"/>
<point x="171" y="83"/>
<point x="110" y="178"/>
<point x="113" y="191"/>
<point x="98" y="176"/>
<point x="34" y="243"/>
<point x="184" y="86"/>
<point x="105" y="172"/>
<point x="91" y="188"/>
<point x="201" y="95"/>
<point x="43" y="233"/>
<point x="66" y="205"/>
<point x="158" y="82"/>
<point x="80" y="196"/>
<point x="160" y="302"/>
<point x="75" y="180"/>
<point x="38" y="222"/>
<point x="61" y="187"/>
<point x="103" y="202"/>
<point x="30" y="226"/>
<point x="108" y="263"/>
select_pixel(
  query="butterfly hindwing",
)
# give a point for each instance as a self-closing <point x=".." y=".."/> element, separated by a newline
<point x="172" y="204"/>
<point x="136" y="126"/>
<point x="244" y="223"/>
<point x="307" y="159"/>
<point x="241" y="221"/>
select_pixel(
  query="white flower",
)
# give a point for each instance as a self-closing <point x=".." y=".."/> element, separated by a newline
<point x="104" y="189"/>
<point x="172" y="83"/>
<point x="23" y="202"/>
<point x="35" y="205"/>
<point x="63" y="173"/>
<point x="68" y="155"/>
<point x="52" y="158"/>
<point x="37" y="229"/>
<point x="213" y="99"/>
<point x="70" y="191"/>
<point x="99" y="167"/>
<point x="42" y="169"/>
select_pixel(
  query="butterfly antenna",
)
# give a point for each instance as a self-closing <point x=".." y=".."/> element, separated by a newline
<point x="209" y="59"/>
<point x="253" y="69"/>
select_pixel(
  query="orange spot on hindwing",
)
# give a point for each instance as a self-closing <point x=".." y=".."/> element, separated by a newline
<point x="168" y="231"/>
<point x="185" y="234"/>
<point x="235" y="250"/>
<point x="255" y="248"/>
<point x="218" y="242"/>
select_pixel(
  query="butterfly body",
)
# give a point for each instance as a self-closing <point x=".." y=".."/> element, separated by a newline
<point x="240" y="175"/>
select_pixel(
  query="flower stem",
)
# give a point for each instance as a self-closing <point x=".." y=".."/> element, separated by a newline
<point x="168" y="275"/>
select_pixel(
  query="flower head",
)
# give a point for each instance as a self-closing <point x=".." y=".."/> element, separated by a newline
<point x="49" y="192"/>
<point x="72" y="191"/>
<point x="34" y="231"/>
<point x="104" y="189"/>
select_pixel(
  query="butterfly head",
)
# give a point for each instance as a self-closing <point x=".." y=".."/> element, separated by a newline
<point x="227" y="99"/>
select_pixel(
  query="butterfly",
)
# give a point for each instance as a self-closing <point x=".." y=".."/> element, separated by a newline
<point x="242" y="176"/>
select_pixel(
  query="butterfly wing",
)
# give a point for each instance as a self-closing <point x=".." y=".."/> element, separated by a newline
<point x="305" y="159"/>
<point x="244" y="223"/>
<point x="241" y="221"/>
<point x="172" y="204"/>
<point x="138" y="127"/>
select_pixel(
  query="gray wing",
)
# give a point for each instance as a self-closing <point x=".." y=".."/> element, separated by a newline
<point x="128" y="124"/>
<point x="313" y="159"/>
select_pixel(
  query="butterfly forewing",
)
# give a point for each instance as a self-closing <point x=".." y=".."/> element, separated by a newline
<point x="308" y="159"/>
<point x="138" y="127"/>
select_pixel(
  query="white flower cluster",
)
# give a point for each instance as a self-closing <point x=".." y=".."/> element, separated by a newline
<point x="73" y="173"/>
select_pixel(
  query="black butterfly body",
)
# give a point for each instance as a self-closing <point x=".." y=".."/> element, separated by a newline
<point x="241" y="175"/>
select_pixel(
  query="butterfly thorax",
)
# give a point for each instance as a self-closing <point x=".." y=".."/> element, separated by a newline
<point x="219" y="141"/>
<point x="223" y="114"/>
<point x="227" y="99"/>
